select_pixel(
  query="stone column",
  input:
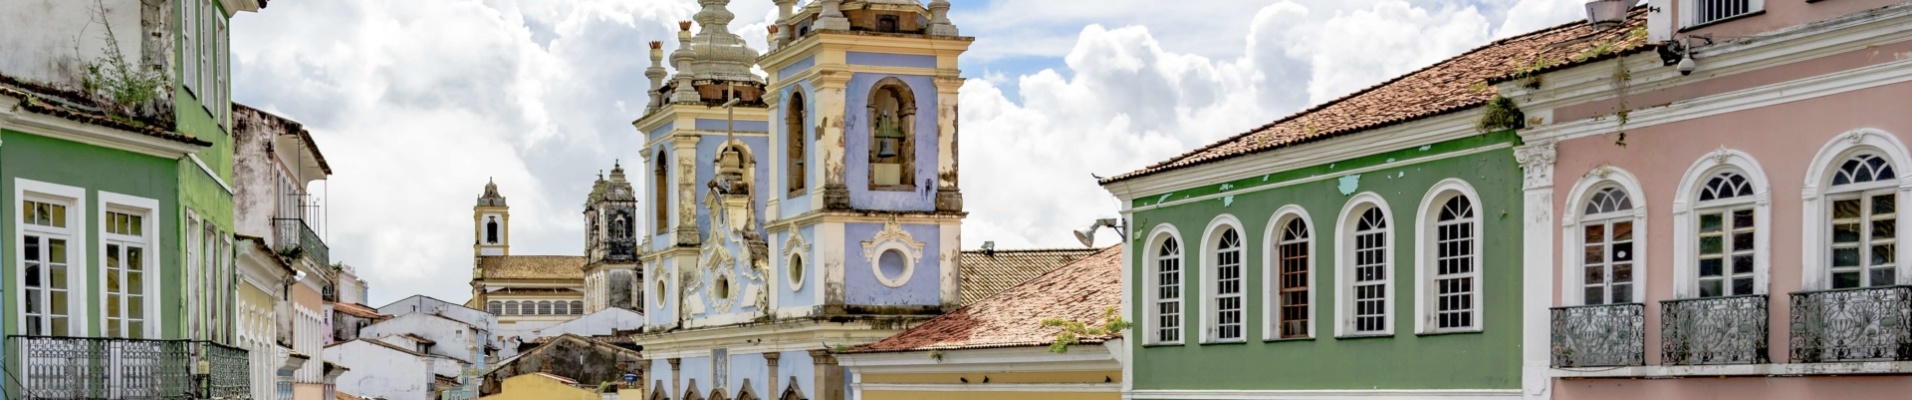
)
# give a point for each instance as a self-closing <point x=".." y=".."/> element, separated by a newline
<point x="829" y="384"/>
<point x="1537" y="163"/>
<point x="785" y="8"/>
<point x="949" y="195"/>
<point x="832" y="16"/>
<point x="684" y="155"/>
<point x="770" y="359"/>
<point x="778" y="157"/>
<point x="676" y="376"/>
<point x="830" y="91"/>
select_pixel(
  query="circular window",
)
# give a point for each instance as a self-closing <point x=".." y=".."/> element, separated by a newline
<point x="661" y="297"/>
<point x="722" y="289"/>
<point x="795" y="274"/>
<point x="893" y="268"/>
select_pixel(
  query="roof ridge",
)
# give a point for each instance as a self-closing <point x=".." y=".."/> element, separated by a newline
<point x="1093" y="249"/>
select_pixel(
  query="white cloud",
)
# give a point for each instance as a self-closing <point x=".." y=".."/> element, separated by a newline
<point x="417" y="103"/>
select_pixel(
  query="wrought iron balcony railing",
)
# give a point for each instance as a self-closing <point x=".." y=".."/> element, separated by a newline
<point x="1607" y="335"/>
<point x="1865" y="324"/>
<point x="294" y="233"/>
<point x="130" y="369"/>
<point x="1714" y="330"/>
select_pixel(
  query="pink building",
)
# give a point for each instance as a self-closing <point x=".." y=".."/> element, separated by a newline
<point x="1717" y="211"/>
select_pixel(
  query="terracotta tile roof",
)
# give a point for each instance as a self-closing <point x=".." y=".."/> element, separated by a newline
<point x="345" y="396"/>
<point x="1082" y="290"/>
<point x="360" y="311"/>
<point x="987" y="273"/>
<point x="1451" y="85"/>
<point x="532" y="267"/>
<point x="78" y="107"/>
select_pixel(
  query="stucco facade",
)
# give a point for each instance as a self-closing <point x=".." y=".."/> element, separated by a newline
<point x="1740" y="179"/>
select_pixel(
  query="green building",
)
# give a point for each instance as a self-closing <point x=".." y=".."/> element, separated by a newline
<point x="1367" y="247"/>
<point x="116" y="242"/>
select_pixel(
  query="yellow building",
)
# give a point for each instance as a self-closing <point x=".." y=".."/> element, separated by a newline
<point x="542" y="386"/>
<point x="997" y="347"/>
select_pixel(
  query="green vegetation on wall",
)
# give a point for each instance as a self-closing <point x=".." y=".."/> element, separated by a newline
<point x="1486" y="360"/>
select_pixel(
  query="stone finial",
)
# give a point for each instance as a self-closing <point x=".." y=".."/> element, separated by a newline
<point x="939" y="24"/>
<point x="656" y="73"/>
<point x="832" y="17"/>
<point x="682" y="59"/>
<point x="721" y="55"/>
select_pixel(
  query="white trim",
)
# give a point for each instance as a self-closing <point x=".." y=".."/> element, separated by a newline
<point x="1392" y="394"/>
<point x="209" y="173"/>
<point x="1210" y="275"/>
<point x="148" y="209"/>
<point x="1151" y="285"/>
<point x="1271" y="270"/>
<point x="97" y="135"/>
<point x="1537" y="277"/>
<point x="1425" y="251"/>
<point x="77" y="244"/>
<point x="1686" y="214"/>
<point x="1571" y="223"/>
<point x="876" y="264"/>
<point x="991" y="387"/>
<point x="1816" y="213"/>
<point x="1344" y="287"/>
<point x="1318" y="178"/>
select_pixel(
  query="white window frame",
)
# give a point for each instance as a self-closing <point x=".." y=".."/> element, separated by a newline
<point x="1572" y="227"/>
<point x="1211" y="284"/>
<point x="1151" y="316"/>
<point x="148" y="211"/>
<point x="1690" y="11"/>
<point x="194" y="294"/>
<point x="1427" y="253"/>
<point x="189" y="20"/>
<point x="221" y="90"/>
<point x="1344" y="265"/>
<point x="1818" y="191"/>
<point x="1271" y="272"/>
<point x="78" y="271"/>
<point x="1686" y="214"/>
<point x="205" y="50"/>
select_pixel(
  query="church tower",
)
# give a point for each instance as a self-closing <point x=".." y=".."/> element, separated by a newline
<point x="611" y="276"/>
<point x="491" y="224"/>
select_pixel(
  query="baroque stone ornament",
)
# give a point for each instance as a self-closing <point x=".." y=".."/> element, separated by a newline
<point x="1537" y="163"/>
<point x="892" y="234"/>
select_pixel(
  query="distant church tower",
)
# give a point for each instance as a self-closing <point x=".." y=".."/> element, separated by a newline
<point x="611" y="277"/>
<point x="827" y="210"/>
<point x="491" y="224"/>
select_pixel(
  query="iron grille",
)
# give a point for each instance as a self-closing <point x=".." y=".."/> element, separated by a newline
<point x="1607" y="335"/>
<point x="295" y="233"/>
<point x="1714" y="330"/>
<point x="1865" y="324"/>
<point x="1716" y="10"/>
<point x="129" y="369"/>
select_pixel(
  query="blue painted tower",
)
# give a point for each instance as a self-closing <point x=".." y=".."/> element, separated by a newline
<point x="814" y="209"/>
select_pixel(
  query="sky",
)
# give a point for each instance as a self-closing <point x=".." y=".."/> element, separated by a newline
<point x="416" y="104"/>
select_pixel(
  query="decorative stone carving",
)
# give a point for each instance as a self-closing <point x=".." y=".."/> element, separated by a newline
<point x="1537" y="163"/>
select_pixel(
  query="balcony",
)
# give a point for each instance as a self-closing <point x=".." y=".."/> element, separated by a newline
<point x="297" y="237"/>
<point x="131" y="369"/>
<point x="1714" y="330"/>
<point x="1609" y="335"/>
<point x="1865" y="324"/>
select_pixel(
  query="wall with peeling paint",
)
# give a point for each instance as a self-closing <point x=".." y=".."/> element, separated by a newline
<point x="856" y="139"/>
<point x="1489" y="359"/>
<point x="861" y="286"/>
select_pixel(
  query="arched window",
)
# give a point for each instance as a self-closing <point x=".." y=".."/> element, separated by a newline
<point x="794" y="117"/>
<point x="1166" y="290"/>
<point x="495" y="307"/>
<point x="1607" y="229"/>
<point x="491" y="230"/>
<point x="660" y="191"/>
<point x="1864" y="200"/>
<point x="1225" y="284"/>
<point x="1290" y="310"/>
<point x="1368" y="268"/>
<point x="1448" y="268"/>
<point x="577" y="307"/>
<point x="892" y="158"/>
<point x="511" y="307"/>
<point x="561" y="308"/>
<point x="1726" y="232"/>
<point x="544" y="308"/>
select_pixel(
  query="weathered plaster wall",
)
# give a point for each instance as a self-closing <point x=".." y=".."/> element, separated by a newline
<point x="856" y="140"/>
<point x="1404" y="360"/>
<point x="377" y="371"/>
<point x="428" y="305"/>
<point x="791" y="206"/>
<point x="27" y="156"/>
<point x="256" y="177"/>
<point x="805" y="295"/>
<point x="861" y="286"/>
<point x="1778" y="14"/>
<point x="51" y="41"/>
<point x="747" y="367"/>
<point x="453" y="337"/>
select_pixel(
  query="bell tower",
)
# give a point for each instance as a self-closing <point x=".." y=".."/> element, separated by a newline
<point x="491" y="224"/>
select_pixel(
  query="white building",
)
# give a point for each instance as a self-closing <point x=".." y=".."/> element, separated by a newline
<point x="447" y="337"/>
<point x="390" y="368"/>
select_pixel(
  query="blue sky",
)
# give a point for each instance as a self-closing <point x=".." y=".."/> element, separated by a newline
<point x="418" y="103"/>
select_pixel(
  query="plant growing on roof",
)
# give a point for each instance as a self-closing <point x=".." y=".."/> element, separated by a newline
<point x="1073" y="331"/>
<point x="113" y="76"/>
<point x="1499" y="114"/>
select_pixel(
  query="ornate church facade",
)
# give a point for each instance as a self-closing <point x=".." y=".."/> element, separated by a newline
<point x="816" y="209"/>
<point x="532" y="292"/>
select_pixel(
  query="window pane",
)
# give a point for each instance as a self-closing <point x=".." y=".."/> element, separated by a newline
<point x="1845" y="280"/>
<point x="1743" y="264"/>
<point x="1743" y="241"/>
<point x="1845" y="233"/>
<point x="1711" y="245"/>
<point x="1882" y="254"/>
<point x="1596" y="254"/>
<point x="1884" y="229"/>
<point x="1711" y="267"/>
<point x="1710" y="223"/>
<point x="1882" y="277"/>
<point x="1622" y="293"/>
<point x="1742" y="286"/>
<point x="1595" y="295"/>
<point x="1710" y="288"/>
<point x="1884" y="204"/>
<point x="1622" y="252"/>
<point x="1843" y="209"/>
<point x="1622" y="273"/>
<point x="1596" y="234"/>
<point x="1622" y="231"/>
<point x="1742" y="218"/>
<point x="1848" y="257"/>
<point x="1596" y="275"/>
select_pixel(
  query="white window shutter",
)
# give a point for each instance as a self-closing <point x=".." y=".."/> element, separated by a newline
<point x="188" y="49"/>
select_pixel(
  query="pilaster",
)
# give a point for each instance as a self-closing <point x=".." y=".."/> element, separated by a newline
<point x="684" y="153"/>
<point x="831" y="87"/>
<point x="677" y="376"/>
<point x="949" y="195"/>
<point x="1537" y="164"/>
<point x="770" y="360"/>
<point x="829" y="385"/>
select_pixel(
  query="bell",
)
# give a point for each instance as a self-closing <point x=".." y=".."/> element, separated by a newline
<point x="886" y="147"/>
